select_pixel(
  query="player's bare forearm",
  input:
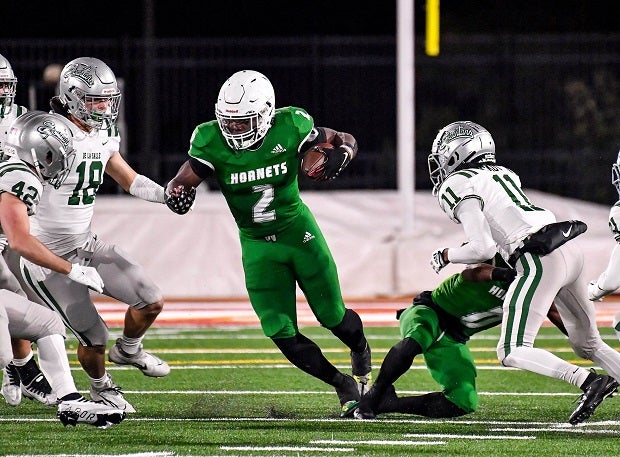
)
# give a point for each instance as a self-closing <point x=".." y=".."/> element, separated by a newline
<point x="184" y="177"/>
<point x="479" y="273"/>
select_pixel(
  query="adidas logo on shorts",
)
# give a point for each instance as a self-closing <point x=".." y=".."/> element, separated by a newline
<point x="307" y="237"/>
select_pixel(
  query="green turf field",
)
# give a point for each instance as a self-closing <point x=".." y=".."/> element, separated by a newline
<point x="231" y="393"/>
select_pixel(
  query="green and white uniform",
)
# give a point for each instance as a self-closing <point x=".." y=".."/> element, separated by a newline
<point x="494" y="211"/>
<point x="609" y="280"/>
<point x="23" y="318"/>
<point x="442" y="321"/>
<point x="7" y="120"/>
<point x="281" y="242"/>
<point x="63" y="224"/>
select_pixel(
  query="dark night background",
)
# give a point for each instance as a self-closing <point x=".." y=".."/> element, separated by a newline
<point x="543" y="76"/>
<point x="124" y="18"/>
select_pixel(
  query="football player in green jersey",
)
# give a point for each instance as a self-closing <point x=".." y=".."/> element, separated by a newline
<point x="438" y="325"/>
<point x="254" y="150"/>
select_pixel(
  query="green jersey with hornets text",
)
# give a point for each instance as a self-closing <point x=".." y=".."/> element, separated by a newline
<point x="260" y="185"/>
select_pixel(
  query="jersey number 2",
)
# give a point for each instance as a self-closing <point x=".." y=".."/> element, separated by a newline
<point x="259" y="210"/>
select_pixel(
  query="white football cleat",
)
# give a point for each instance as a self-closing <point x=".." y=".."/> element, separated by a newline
<point x="145" y="361"/>
<point x="11" y="390"/>
<point x="83" y="411"/>
<point x="111" y="395"/>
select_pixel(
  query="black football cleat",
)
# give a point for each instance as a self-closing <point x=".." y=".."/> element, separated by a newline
<point x="599" y="389"/>
<point x="348" y="395"/>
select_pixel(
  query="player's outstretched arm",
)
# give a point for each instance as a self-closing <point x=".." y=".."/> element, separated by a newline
<point x="16" y="226"/>
<point x="181" y="190"/>
<point x="136" y="184"/>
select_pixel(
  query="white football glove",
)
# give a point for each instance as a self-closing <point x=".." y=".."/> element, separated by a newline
<point x="595" y="293"/>
<point x="87" y="276"/>
<point x="437" y="261"/>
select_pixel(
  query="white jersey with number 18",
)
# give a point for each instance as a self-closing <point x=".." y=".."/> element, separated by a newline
<point x="64" y="216"/>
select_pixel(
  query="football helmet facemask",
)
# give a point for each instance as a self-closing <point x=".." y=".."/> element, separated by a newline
<point x="245" y="108"/>
<point x="458" y="143"/>
<point x="88" y="87"/>
<point x="8" y="87"/>
<point x="615" y="174"/>
<point x="45" y="142"/>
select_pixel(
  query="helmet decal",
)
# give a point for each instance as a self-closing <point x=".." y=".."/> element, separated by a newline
<point x="458" y="144"/>
<point x="89" y="89"/>
<point x="48" y="128"/>
<point x="460" y="131"/>
<point x="80" y="71"/>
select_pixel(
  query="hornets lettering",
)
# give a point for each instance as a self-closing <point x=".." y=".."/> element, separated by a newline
<point x="497" y="292"/>
<point x="259" y="173"/>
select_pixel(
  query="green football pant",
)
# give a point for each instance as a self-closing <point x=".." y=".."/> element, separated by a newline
<point x="299" y="255"/>
<point x="449" y="362"/>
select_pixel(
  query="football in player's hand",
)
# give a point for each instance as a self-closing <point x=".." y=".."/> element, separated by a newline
<point x="313" y="160"/>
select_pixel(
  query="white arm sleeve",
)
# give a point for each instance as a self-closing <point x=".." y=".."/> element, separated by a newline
<point x="146" y="189"/>
<point x="609" y="280"/>
<point x="480" y="246"/>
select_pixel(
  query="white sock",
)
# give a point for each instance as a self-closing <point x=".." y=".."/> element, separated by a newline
<point x="608" y="359"/>
<point x="101" y="382"/>
<point x="24" y="361"/>
<point x="55" y="364"/>
<point x="131" y="345"/>
<point x="545" y="363"/>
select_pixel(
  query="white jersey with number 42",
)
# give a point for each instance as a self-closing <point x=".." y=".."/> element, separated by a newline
<point x="64" y="215"/>
<point x="510" y="214"/>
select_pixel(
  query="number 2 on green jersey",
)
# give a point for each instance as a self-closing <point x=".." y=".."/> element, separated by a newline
<point x="259" y="210"/>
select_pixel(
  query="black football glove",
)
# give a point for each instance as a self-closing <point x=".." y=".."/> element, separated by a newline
<point x="506" y="275"/>
<point x="337" y="159"/>
<point x="182" y="202"/>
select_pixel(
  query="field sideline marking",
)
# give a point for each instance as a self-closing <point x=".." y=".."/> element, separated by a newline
<point x="568" y="429"/>
<point x="472" y="437"/>
<point x="236" y="364"/>
<point x="380" y="442"/>
<point x="327" y="392"/>
<point x="554" y="426"/>
<point x="324" y="350"/>
<point x="287" y="448"/>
